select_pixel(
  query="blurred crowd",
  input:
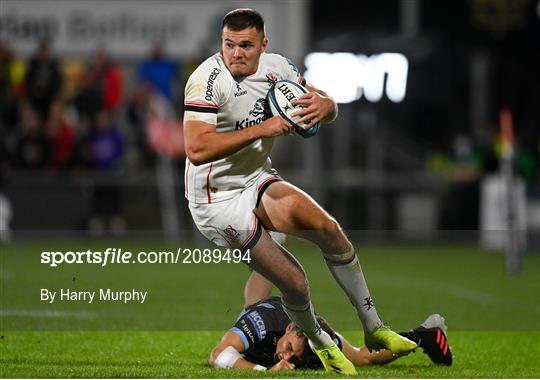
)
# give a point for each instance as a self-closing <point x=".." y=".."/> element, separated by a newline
<point x="94" y="117"/>
<point x="100" y="117"/>
<point x="87" y="114"/>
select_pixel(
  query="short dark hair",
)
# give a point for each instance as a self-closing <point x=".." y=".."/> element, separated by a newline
<point x="243" y="18"/>
<point x="308" y="358"/>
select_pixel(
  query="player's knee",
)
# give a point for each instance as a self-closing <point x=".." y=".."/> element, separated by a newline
<point x="331" y="238"/>
<point x="330" y="233"/>
<point x="329" y="226"/>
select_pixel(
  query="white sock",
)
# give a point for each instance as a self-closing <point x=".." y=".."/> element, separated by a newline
<point x="304" y="317"/>
<point x="348" y="273"/>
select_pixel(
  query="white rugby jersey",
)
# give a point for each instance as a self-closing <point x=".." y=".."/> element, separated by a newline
<point x="213" y="96"/>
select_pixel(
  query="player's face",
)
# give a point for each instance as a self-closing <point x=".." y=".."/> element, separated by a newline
<point x="290" y="346"/>
<point x="241" y="50"/>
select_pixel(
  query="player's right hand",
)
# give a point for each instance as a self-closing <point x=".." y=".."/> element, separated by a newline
<point x="275" y="126"/>
<point x="282" y="365"/>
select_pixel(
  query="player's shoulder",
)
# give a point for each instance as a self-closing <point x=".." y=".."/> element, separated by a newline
<point x="268" y="308"/>
<point x="212" y="69"/>
<point x="270" y="57"/>
<point x="210" y="82"/>
<point x="273" y="302"/>
<point x="274" y="59"/>
<point x="282" y="64"/>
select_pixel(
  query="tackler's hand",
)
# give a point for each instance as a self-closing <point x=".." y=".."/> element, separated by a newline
<point x="282" y="365"/>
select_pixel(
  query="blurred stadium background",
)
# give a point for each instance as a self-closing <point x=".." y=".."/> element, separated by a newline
<point x="438" y="102"/>
<point x="438" y="138"/>
<point x="433" y="168"/>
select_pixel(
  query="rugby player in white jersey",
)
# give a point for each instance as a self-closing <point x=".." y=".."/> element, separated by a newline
<point x="238" y="200"/>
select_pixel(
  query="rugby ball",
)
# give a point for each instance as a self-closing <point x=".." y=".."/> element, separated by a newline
<point x="280" y="97"/>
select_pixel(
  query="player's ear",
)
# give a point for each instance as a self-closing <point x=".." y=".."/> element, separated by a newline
<point x="289" y="327"/>
<point x="264" y="44"/>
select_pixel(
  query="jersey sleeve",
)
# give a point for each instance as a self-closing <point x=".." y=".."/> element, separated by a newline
<point x="203" y="95"/>
<point x="250" y="329"/>
<point x="292" y="73"/>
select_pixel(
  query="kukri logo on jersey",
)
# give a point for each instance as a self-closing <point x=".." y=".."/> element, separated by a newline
<point x="239" y="90"/>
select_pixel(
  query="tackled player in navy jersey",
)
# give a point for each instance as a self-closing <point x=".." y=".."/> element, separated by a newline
<point x="265" y="336"/>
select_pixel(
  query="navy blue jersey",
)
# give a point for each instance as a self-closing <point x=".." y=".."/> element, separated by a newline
<point x="260" y="326"/>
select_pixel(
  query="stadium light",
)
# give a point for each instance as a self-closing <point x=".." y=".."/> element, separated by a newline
<point x="348" y="76"/>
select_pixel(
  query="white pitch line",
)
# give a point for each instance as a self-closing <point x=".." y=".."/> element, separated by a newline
<point x="48" y="314"/>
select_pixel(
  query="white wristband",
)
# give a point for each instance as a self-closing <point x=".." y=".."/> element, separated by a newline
<point x="227" y="358"/>
<point x="258" y="367"/>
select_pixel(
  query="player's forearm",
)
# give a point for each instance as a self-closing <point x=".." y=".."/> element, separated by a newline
<point x="229" y="357"/>
<point x="212" y="146"/>
<point x="362" y="356"/>
<point x="333" y="110"/>
<point x="381" y="357"/>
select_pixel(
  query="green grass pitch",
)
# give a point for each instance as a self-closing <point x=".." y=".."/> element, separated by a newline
<point x="493" y="319"/>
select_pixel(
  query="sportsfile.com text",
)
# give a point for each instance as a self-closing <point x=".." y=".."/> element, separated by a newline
<point x="120" y="256"/>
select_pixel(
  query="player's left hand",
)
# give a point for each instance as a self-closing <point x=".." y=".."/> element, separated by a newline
<point x="282" y="365"/>
<point x="315" y="108"/>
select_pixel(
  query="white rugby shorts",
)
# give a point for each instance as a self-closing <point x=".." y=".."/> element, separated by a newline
<point x="232" y="223"/>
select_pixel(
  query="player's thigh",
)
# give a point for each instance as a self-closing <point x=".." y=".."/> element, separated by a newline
<point x="286" y="208"/>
